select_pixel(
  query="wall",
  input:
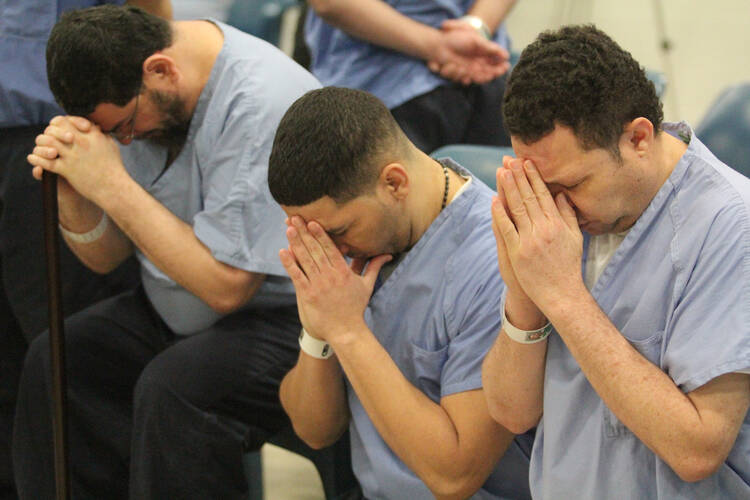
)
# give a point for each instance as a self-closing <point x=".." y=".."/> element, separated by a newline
<point x="710" y="41"/>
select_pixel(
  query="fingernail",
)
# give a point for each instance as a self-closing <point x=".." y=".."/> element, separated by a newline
<point x="528" y="164"/>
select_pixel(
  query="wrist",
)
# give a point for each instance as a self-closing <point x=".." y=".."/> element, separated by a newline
<point x="523" y="335"/>
<point x="523" y="313"/>
<point x="343" y="337"/>
<point x="478" y="24"/>
<point x="88" y="236"/>
<point x="313" y="346"/>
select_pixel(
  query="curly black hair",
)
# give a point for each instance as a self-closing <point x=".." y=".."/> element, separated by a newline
<point x="333" y="142"/>
<point x="580" y="78"/>
<point x="96" y="55"/>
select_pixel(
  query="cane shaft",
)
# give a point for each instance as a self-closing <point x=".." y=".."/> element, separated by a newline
<point x="56" y="336"/>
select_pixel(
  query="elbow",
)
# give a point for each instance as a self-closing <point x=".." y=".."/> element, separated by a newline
<point x="101" y="267"/>
<point x="697" y="467"/>
<point x="454" y="486"/>
<point x="325" y="9"/>
<point x="234" y="291"/>
<point x="318" y="434"/>
<point x="224" y="304"/>
<point x="315" y="439"/>
<point x="517" y="422"/>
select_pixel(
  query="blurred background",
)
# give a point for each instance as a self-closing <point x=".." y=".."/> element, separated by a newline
<point x="699" y="47"/>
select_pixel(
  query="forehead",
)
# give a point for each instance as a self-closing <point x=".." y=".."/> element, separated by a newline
<point x="555" y="155"/>
<point x="329" y="214"/>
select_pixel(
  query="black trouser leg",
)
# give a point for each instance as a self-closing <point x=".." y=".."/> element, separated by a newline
<point x="196" y="400"/>
<point x="107" y="347"/>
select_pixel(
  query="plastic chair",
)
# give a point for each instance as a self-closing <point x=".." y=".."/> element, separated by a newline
<point x="725" y="129"/>
<point x="260" y="18"/>
<point x="482" y="161"/>
<point x="334" y="465"/>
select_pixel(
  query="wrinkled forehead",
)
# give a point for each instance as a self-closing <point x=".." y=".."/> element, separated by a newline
<point x="559" y="150"/>
<point x="325" y="211"/>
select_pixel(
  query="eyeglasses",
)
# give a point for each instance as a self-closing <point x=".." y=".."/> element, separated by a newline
<point x="117" y="133"/>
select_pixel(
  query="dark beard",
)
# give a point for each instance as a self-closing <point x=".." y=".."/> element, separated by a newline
<point x="175" y="124"/>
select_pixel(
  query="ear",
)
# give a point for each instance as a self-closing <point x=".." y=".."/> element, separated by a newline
<point x="638" y="136"/>
<point x="160" y="71"/>
<point x="394" y="181"/>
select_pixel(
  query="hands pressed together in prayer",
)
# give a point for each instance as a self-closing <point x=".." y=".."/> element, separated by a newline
<point x="87" y="160"/>
<point x="539" y="243"/>
<point x="331" y="294"/>
<point x="466" y="57"/>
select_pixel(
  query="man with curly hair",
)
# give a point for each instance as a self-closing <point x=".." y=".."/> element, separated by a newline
<point x="635" y="369"/>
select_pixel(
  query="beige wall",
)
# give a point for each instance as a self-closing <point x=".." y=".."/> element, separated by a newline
<point x="710" y="41"/>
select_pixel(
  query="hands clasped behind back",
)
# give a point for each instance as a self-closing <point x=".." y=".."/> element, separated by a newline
<point x="331" y="294"/>
<point x="540" y="245"/>
<point x="80" y="153"/>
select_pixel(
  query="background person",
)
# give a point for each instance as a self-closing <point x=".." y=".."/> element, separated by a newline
<point x="385" y="47"/>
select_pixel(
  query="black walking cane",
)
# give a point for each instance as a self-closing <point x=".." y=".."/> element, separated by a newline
<point x="56" y="335"/>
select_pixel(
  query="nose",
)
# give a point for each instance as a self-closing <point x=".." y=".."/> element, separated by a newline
<point x="124" y="140"/>
<point x="344" y="249"/>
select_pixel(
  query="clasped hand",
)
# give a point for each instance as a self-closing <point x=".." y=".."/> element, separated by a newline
<point x="81" y="154"/>
<point x="331" y="294"/>
<point x="466" y="57"/>
<point x="539" y="242"/>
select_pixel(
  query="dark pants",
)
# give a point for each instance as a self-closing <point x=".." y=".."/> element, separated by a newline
<point x="23" y="295"/>
<point x="169" y="413"/>
<point x="455" y="114"/>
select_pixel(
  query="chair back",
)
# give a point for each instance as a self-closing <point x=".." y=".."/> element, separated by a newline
<point x="482" y="161"/>
<point x="725" y="129"/>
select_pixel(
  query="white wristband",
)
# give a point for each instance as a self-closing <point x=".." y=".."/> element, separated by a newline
<point x="478" y="24"/>
<point x="316" y="348"/>
<point x="525" y="336"/>
<point x="90" y="236"/>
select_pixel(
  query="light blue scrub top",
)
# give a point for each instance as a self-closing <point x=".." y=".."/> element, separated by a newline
<point x="678" y="288"/>
<point x="345" y="61"/>
<point x="437" y="316"/>
<point x="25" y="98"/>
<point x="218" y="183"/>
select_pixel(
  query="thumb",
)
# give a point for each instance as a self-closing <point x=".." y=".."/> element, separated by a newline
<point x="81" y="123"/>
<point x="373" y="268"/>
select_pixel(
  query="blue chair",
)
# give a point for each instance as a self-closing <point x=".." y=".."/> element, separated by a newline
<point x="482" y="161"/>
<point x="260" y="18"/>
<point x="726" y="128"/>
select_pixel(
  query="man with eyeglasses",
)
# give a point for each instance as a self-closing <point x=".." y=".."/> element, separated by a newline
<point x="167" y="381"/>
<point x="26" y="107"/>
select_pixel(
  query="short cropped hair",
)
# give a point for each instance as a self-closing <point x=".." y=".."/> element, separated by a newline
<point x="580" y="78"/>
<point x="332" y="142"/>
<point x="96" y="55"/>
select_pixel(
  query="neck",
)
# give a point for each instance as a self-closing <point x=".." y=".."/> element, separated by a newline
<point x="195" y="48"/>
<point x="428" y="204"/>
<point x="671" y="150"/>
